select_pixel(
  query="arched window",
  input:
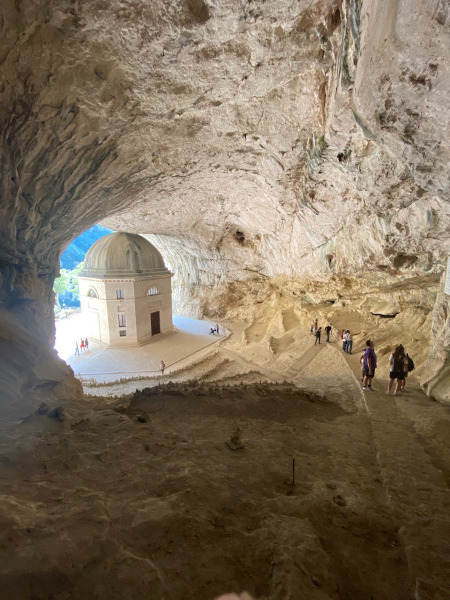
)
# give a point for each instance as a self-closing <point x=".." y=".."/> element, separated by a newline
<point x="92" y="293"/>
<point x="153" y="291"/>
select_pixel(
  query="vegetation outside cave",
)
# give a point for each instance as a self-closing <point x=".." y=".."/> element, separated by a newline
<point x="71" y="262"/>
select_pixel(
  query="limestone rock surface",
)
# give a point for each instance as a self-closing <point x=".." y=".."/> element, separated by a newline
<point x="248" y="140"/>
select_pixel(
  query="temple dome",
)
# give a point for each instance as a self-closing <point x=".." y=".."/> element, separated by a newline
<point x="123" y="255"/>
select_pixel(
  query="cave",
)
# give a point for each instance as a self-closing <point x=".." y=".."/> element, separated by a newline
<point x="260" y="147"/>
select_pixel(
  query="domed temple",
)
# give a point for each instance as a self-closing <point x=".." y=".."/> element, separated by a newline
<point x="125" y="291"/>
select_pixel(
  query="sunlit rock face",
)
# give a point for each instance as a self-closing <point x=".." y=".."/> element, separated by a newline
<point x="247" y="140"/>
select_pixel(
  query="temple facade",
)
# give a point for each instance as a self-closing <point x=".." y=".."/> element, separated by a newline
<point x="125" y="291"/>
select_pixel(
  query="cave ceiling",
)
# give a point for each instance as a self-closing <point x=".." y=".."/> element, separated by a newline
<point x="270" y="136"/>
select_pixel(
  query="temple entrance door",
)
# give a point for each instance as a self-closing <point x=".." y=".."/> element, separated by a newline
<point x="155" y="323"/>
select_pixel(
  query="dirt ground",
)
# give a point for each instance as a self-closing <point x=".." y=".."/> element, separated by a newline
<point x="145" y="499"/>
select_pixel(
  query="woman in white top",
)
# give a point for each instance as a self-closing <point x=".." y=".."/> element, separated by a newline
<point x="349" y="345"/>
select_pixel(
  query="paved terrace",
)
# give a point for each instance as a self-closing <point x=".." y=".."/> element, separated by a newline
<point x="109" y="364"/>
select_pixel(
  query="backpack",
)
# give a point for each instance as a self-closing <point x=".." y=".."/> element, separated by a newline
<point x="399" y="364"/>
<point x="411" y="365"/>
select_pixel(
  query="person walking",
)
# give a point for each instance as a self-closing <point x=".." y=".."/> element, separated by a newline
<point x="328" y="329"/>
<point x="77" y="350"/>
<point x="82" y="345"/>
<point x="398" y="364"/>
<point x="344" y="339"/>
<point x="86" y="344"/>
<point x="162" y="366"/>
<point x="217" y="328"/>
<point x="318" y="332"/>
<point x="369" y="364"/>
<point x="349" y="345"/>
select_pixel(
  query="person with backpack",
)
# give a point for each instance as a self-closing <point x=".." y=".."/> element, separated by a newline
<point x="398" y="365"/>
<point x="410" y="367"/>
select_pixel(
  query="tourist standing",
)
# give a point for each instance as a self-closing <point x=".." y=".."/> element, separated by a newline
<point x="77" y="350"/>
<point x="82" y="345"/>
<point x="86" y="343"/>
<point x="328" y="329"/>
<point x="318" y="332"/>
<point x="410" y="367"/>
<point x="361" y="360"/>
<point x="162" y="366"/>
<point x="349" y="345"/>
<point x="398" y="364"/>
<point x="370" y="364"/>
<point x="344" y="340"/>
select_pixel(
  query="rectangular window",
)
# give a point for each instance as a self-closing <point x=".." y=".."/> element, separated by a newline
<point x="122" y="320"/>
<point x="123" y="332"/>
<point x="120" y="295"/>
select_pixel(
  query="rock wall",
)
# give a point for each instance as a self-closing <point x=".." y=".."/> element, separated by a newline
<point x="436" y="378"/>
<point x="248" y="141"/>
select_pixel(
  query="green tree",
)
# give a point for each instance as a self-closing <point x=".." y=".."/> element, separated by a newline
<point x="61" y="285"/>
<point x="68" y="282"/>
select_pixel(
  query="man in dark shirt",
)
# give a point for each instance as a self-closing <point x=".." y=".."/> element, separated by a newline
<point x="318" y="332"/>
<point x="369" y="364"/>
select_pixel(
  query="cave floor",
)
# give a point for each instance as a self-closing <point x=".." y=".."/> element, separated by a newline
<point x="144" y="498"/>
